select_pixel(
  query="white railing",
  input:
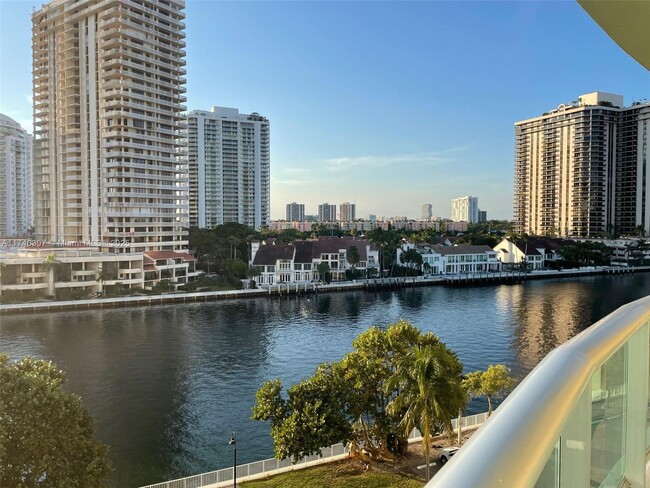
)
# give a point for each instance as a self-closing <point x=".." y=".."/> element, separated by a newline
<point x="269" y="467"/>
<point x="578" y="419"/>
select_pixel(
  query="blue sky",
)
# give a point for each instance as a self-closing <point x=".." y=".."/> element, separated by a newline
<point x="386" y="104"/>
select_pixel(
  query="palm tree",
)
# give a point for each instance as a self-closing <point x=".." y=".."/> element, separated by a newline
<point x="100" y="277"/>
<point x="353" y="257"/>
<point x="428" y="380"/>
<point x="49" y="263"/>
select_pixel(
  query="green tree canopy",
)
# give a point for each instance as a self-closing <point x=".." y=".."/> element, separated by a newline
<point x="348" y="401"/>
<point x="586" y="253"/>
<point x="353" y="256"/>
<point x="46" y="434"/>
<point x="313" y="416"/>
<point x="324" y="272"/>
<point x="494" y="382"/>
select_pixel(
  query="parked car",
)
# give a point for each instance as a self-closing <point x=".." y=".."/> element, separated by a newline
<point x="97" y="294"/>
<point x="447" y="453"/>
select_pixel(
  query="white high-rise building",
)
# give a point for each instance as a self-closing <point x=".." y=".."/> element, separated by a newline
<point x="230" y="159"/>
<point x="16" y="184"/>
<point x="427" y="211"/>
<point x="465" y="209"/>
<point x="108" y="101"/>
<point x="347" y="212"/>
<point x="295" y="212"/>
<point x="582" y="169"/>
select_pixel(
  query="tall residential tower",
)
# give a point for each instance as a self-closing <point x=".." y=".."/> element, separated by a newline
<point x="347" y="212"/>
<point x="295" y="212"/>
<point x="229" y="160"/>
<point x="465" y="209"/>
<point x="108" y="102"/>
<point x="16" y="190"/>
<point x="582" y="169"/>
<point x="327" y="213"/>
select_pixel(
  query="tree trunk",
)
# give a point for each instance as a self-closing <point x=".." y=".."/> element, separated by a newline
<point x="489" y="398"/>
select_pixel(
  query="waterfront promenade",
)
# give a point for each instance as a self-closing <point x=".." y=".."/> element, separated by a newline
<point x="371" y="284"/>
<point x="223" y="478"/>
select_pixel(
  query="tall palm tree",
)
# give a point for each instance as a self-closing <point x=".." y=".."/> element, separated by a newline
<point x="428" y="380"/>
<point x="49" y="263"/>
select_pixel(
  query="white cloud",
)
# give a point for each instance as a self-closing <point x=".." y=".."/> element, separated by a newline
<point x="421" y="159"/>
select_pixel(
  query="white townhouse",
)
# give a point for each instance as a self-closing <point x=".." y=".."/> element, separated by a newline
<point x="462" y="258"/>
<point x="298" y="261"/>
<point x="536" y="251"/>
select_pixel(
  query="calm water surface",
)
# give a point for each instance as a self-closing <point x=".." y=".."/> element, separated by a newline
<point x="168" y="384"/>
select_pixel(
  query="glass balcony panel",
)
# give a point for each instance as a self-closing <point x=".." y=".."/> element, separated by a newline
<point x="550" y="476"/>
<point x="608" y="416"/>
<point x="575" y="441"/>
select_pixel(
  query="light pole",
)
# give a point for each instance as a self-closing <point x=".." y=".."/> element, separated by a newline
<point x="233" y="443"/>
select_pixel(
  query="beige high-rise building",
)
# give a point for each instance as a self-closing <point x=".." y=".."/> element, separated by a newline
<point x="108" y="102"/>
<point x="347" y="212"/>
<point x="581" y="169"/>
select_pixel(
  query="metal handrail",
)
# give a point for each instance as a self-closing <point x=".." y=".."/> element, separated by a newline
<point x="513" y="446"/>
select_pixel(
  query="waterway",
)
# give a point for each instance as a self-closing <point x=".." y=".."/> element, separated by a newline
<point x="168" y="384"/>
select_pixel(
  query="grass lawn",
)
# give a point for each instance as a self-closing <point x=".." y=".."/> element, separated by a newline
<point x="348" y="474"/>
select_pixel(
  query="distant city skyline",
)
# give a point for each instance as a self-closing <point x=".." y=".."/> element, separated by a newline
<point x="386" y="104"/>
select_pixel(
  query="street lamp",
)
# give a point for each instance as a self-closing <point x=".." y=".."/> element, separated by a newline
<point x="233" y="442"/>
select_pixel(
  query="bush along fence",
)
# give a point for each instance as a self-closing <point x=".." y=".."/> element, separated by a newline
<point x="269" y="467"/>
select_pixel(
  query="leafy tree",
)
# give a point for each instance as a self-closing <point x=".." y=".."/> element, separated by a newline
<point x="311" y="417"/>
<point x="46" y="434"/>
<point x="324" y="272"/>
<point x="236" y="268"/>
<point x="387" y="242"/>
<point x="253" y="272"/>
<point x="348" y="401"/>
<point x="163" y="286"/>
<point x="586" y="253"/>
<point x="289" y="235"/>
<point x="353" y="256"/>
<point x="428" y="379"/>
<point x="494" y="382"/>
<point x="412" y="256"/>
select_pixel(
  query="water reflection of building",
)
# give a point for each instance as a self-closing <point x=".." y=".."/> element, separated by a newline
<point x="543" y="321"/>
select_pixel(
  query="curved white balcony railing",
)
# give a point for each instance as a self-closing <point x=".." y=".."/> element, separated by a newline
<point x="579" y="419"/>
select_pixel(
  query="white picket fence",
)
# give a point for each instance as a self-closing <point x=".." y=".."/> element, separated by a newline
<point x="268" y="467"/>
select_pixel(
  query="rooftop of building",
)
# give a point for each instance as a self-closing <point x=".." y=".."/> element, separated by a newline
<point x="591" y="100"/>
<point x="305" y="251"/>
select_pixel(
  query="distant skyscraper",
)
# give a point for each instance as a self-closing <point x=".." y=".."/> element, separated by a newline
<point x="427" y="211"/>
<point x="108" y="94"/>
<point x="347" y="212"/>
<point x="465" y="209"/>
<point x="229" y="161"/>
<point x="482" y="216"/>
<point x="582" y="169"/>
<point x="16" y="184"/>
<point x="327" y="213"/>
<point x="295" y="212"/>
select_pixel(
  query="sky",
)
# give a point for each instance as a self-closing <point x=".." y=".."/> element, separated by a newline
<point x="386" y="104"/>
